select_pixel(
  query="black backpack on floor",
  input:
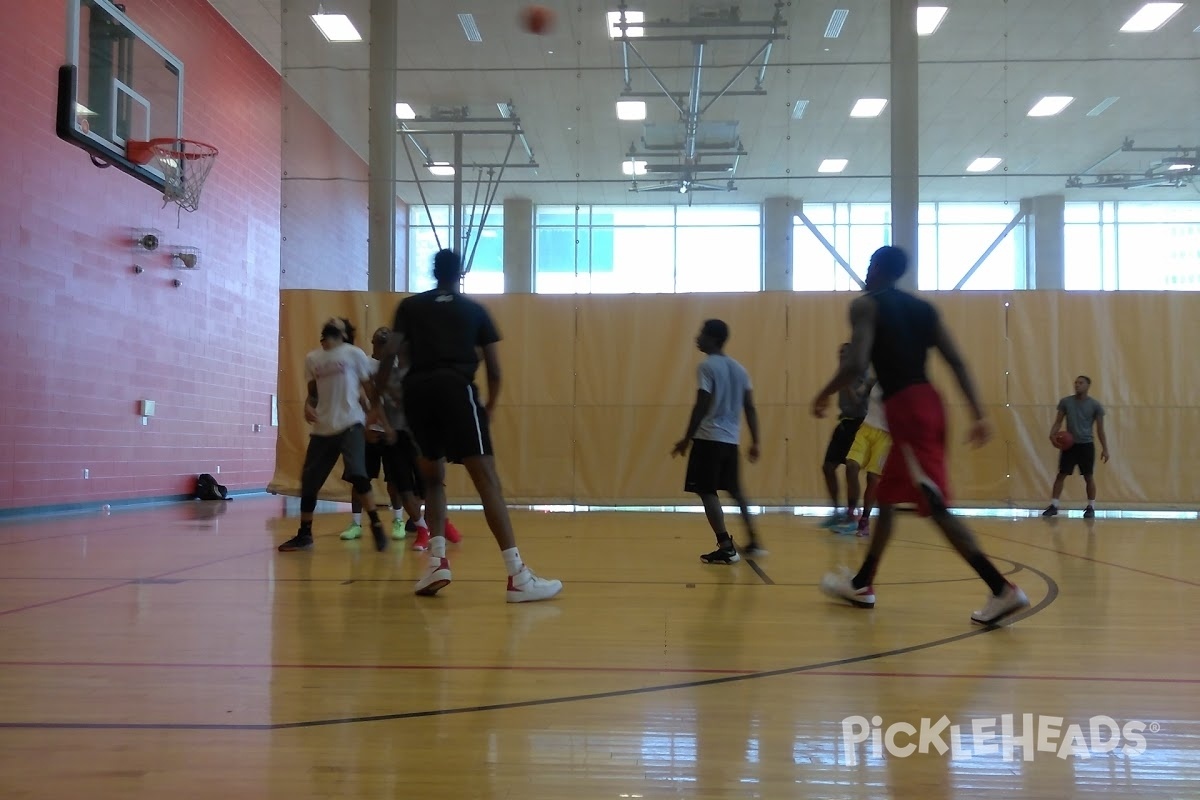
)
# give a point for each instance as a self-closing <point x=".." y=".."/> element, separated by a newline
<point x="207" y="488"/>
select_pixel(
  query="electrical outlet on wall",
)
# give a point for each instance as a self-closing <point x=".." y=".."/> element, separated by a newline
<point x="86" y="474"/>
<point x="218" y="469"/>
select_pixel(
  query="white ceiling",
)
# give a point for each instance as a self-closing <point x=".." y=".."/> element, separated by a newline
<point x="980" y="73"/>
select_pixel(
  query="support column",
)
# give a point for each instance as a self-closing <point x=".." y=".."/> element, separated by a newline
<point x="381" y="195"/>
<point x="905" y="135"/>
<point x="518" y="245"/>
<point x="778" y="214"/>
<point x="1047" y="242"/>
<point x="458" y="239"/>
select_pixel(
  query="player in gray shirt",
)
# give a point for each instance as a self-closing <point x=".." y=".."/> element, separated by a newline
<point x="714" y="431"/>
<point x="1081" y="412"/>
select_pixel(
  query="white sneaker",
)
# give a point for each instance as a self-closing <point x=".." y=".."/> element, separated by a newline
<point x="1010" y="601"/>
<point x="840" y="586"/>
<point x="436" y="577"/>
<point x="526" y="587"/>
<point x="353" y="532"/>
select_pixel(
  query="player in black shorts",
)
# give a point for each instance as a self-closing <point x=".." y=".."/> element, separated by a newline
<point x="439" y="334"/>
<point x="713" y="433"/>
<point x="390" y="446"/>
<point x="338" y="375"/>
<point x="1082" y="413"/>
<point x="852" y="409"/>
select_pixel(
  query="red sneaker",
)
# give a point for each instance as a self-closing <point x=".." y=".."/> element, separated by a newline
<point x="422" y="540"/>
<point x="452" y="534"/>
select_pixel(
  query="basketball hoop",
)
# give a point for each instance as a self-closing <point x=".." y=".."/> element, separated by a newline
<point x="184" y="163"/>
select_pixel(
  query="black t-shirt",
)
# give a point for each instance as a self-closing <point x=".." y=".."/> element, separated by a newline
<point x="905" y="329"/>
<point x="443" y="330"/>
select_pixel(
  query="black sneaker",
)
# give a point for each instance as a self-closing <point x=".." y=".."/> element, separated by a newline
<point x="722" y="555"/>
<point x="410" y="526"/>
<point x="1089" y="513"/>
<point x="381" y="539"/>
<point x="1051" y="511"/>
<point x="301" y="541"/>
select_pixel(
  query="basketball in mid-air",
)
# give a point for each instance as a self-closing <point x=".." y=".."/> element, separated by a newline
<point x="537" y="19"/>
<point x="1063" y="440"/>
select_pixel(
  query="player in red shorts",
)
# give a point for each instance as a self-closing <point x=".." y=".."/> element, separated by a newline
<point x="894" y="331"/>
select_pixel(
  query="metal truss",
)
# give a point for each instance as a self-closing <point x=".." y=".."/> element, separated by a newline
<point x="687" y="170"/>
<point x="1178" y="167"/>
<point x="457" y="123"/>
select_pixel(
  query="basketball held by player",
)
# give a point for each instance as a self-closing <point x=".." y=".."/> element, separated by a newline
<point x="1082" y="414"/>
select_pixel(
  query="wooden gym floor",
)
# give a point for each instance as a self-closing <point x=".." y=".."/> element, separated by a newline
<point x="171" y="652"/>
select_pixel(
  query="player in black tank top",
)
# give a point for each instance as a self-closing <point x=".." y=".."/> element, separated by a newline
<point x="894" y="331"/>
<point x="905" y="330"/>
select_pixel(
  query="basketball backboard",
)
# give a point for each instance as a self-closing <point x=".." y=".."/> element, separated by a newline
<point x="118" y="85"/>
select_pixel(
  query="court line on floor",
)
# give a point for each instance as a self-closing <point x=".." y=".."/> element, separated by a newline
<point x="605" y="670"/>
<point x="132" y="582"/>
<point x="1096" y="560"/>
<point x="1052" y="592"/>
<point x="90" y="532"/>
<point x="1009" y="677"/>
<point x="382" y="667"/>
<point x="759" y="571"/>
<point x="342" y="580"/>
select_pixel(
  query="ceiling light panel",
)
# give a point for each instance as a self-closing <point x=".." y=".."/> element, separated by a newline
<point x="1151" y="17"/>
<point x="633" y="167"/>
<point x="614" y="19"/>
<point x="631" y="109"/>
<point x="1102" y="106"/>
<point x="470" y="29"/>
<point x="798" y="109"/>
<point x="405" y="111"/>
<point x="834" y="29"/>
<point x="336" y="27"/>
<point x="929" y="19"/>
<point x="868" y="107"/>
<point x="833" y="165"/>
<point x="442" y="169"/>
<point x="983" y="164"/>
<point x="1049" y="106"/>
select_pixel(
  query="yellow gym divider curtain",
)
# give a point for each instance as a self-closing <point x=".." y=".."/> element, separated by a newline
<point x="597" y="388"/>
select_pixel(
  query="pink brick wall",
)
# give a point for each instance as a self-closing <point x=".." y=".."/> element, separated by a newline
<point x="84" y="337"/>
<point x="324" y="220"/>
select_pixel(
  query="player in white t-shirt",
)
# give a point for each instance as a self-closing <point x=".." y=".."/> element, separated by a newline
<point x="337" y="373"/>
<point x="869" y="452"/>
<point x="713" y="433"/>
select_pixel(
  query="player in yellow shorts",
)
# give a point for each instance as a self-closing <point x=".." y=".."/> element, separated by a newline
<point x="869" y="452"/>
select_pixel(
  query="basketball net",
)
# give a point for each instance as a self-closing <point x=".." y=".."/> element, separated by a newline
<point x="184" y="163"/>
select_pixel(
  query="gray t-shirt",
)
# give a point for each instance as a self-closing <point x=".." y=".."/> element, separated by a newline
<point x="393" y="397"/>
<point x="727" y="381"/>
<point x="1080" y="416"/>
